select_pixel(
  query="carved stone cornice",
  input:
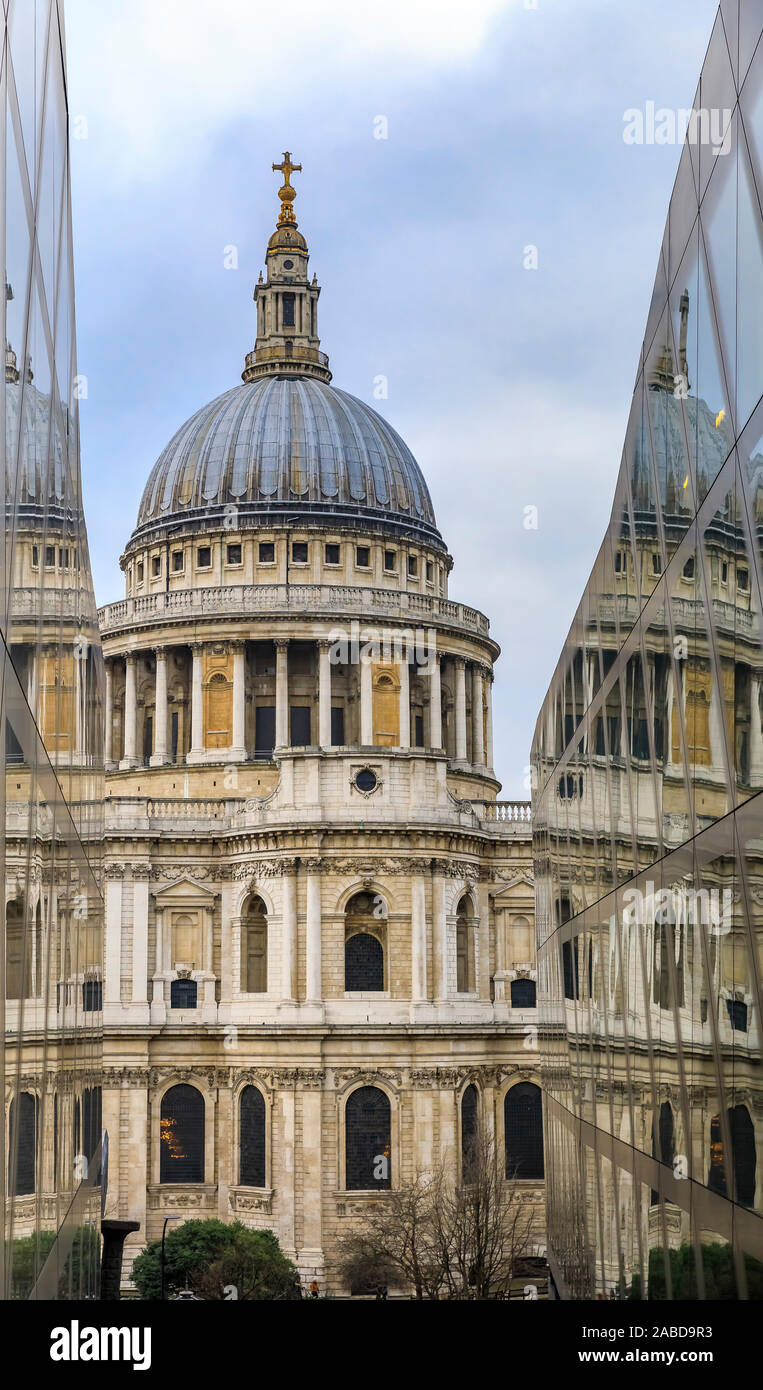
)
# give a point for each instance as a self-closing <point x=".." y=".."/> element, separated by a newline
<point x="343" y="1075"/>
<point x="114" y="871"/>
<point x="136" y="1078"/>
<point x="264" y="868"/>
<point x="140" y="871"/>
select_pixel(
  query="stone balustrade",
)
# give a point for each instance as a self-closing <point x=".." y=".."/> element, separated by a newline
<point x="317" y="600"/>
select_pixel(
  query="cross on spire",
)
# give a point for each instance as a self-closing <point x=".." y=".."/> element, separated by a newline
<point x="286" y="193"/>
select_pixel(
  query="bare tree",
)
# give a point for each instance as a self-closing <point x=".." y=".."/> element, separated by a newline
<point x="445" y="1236"/>
<point x="398" y="1240"/>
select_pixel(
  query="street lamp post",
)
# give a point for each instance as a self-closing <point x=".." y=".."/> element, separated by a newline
<point x="164" y="1233"/>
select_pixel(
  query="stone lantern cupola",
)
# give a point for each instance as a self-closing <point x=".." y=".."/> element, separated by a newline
<point x="287" y="340"/>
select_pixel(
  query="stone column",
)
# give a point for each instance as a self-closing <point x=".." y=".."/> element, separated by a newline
<point x="460" y="710"/>
<point x="756" y="731"/>
<point x="289" y="937"/>
<point x="108" y="715"/>
<point x="282" y="692"/>
<point x="478" y="736"/>
<point x="238" y="749"/>
<point x="405" y="702"/>
<point x="439" y="933"/>
<point x="159" y="755"/>
<point x="197" y="703"/>
<point x="435" y="702"/>
<point x="140" y="933"/>
<point x="314" y="985"/>
<point x="112" y="958"/>
<point x="80" y="690"/>
<point x="483" y="942"/>
<point x="489" y="720"/>
<point x="418" y="941"/>
<point x="324" y="693"/>
<point x="131" y="712"/>
<point x="366" y="703"/>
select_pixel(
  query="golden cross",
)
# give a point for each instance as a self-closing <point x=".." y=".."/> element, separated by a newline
<point x="287" y="168"/>
<point x="286" y="193"/>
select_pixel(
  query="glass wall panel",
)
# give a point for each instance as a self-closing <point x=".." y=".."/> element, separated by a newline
<point x="649" y="827"/>
<point x="50" y="708"/>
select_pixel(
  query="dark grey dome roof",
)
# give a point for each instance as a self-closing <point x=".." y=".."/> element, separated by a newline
<point x="279" y="446"/>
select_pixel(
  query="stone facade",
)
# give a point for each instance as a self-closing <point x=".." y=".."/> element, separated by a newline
<point x="299" y="738"/>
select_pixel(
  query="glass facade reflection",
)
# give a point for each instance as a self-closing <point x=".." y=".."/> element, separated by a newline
<point x="648" y="771"/>
<point x="52" y="781"/>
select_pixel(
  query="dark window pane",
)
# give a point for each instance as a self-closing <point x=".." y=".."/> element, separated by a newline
<point x="367" y="1140"/>
<point x="182" y="1135"/>
<point x="337" y="727"/>
<point x="523" y="994"/>
<point x="252" y="1156"/>
<point x="23" y="1135"/>
<point x="267" y="552"/>
<point x="469" y="1104"/>
<point x="299" y="552"/>
<point x="332" y="554"/>
<point x="363" y="963"/>
<point x="265" y="731"/>
<point x="92" y="996"/>
<point x="234" y="554"/>
<point x="523" y="1131"/>
<point x="288" y="311"/>
<point x="183" y="994"/>
<point x="300" y="726"/>
<point x="737" y="1011"/>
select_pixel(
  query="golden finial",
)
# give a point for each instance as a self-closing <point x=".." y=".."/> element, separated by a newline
<point x="286" y="193"/>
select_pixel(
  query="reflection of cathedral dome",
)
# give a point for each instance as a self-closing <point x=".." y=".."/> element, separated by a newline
<point x="35" y="455"/>
<point x="280" y="442"/>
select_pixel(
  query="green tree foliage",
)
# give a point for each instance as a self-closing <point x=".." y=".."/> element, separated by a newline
<point x="213" y="1256"/>
<point x="718" y="1269"/>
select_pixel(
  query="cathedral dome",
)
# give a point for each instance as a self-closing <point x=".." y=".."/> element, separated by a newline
<point x="284" y="444"/>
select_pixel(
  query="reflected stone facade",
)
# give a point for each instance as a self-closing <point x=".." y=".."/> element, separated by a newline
<point x="648" y="769"/>
<point x="52" y="680"/>
<point x="319" y="919"/>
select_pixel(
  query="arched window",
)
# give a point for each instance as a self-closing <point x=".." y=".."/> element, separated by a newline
<point x="523" y="994"/>
<point x="252" y="1138"/>
<point x="469" y="1130"/>
<point x="743" y="1149"/>
<point x="22" y="1125"/>
<point x="663" y="1141"/>
<point x="181" y="1133"/>
<point x="18" y="952"/>
<point x="464" y="947"/>
<point x="716" y="1178"/>
<point x="91" y="1121"/>
<point x="367" y="1140"/>
<point x="523" y="1131"/>
<point x="255" y="947"/>
<point x="364" y="944"/>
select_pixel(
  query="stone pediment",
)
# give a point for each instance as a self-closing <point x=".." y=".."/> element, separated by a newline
<point x="517" y="889"/>
<point x="183" y="890"/>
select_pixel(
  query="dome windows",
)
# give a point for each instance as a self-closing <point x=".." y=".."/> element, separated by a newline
<point x="267" y="553"/>
<point x="204" y="557"/>
<point x="366" y="780"/>
<point x="333" y="554"/>
<point x="363" y="557"/>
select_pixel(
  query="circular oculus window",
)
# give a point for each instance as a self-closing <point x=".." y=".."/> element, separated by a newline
<point x="288" y="265"/>
<point x="366" y="780"/>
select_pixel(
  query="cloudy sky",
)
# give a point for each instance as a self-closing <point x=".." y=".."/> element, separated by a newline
<point x="504" y="130"/>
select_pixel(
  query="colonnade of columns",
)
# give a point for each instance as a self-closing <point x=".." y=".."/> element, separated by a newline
<point x="477" y="673"/>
